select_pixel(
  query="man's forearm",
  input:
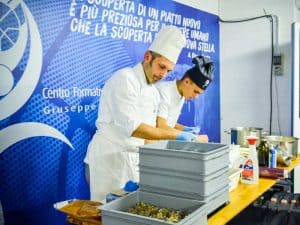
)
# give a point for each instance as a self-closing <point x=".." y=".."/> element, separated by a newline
<point x="154" y="133"/>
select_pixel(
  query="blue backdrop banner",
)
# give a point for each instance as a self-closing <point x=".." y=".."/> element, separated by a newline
<point x="55" y="57"/>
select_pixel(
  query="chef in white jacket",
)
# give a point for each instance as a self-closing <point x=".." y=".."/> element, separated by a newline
<point x="174" y="93"/>
<point x="127" y="116"/>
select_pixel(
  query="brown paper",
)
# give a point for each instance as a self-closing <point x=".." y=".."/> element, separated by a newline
<point x="82" y="212"/>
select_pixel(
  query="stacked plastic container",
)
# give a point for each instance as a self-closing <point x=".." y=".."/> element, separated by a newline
<point x="189" y="170"/>
<point x="188" y="176"/>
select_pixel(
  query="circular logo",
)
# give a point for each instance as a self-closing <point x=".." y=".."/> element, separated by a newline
<point x="9" y="27"/>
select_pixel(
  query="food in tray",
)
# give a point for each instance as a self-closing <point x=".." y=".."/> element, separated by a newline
<point x="150" y="210"/>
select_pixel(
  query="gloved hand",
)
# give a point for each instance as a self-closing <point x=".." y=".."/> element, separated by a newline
<point x="185" y="136"/>
<point x="193" y="130"/>
<point x="202" y="138"/>
<point x="130" y="186"/>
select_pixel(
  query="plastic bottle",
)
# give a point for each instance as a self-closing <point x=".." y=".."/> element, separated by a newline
<point x="250" y="172"/>
<point x="273" y="156"/>
<point x="234" y="156"/>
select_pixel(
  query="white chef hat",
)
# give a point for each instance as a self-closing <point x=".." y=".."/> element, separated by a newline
<point x="169" y="43"/>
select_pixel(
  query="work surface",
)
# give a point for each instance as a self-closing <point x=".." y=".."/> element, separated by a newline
<point x="243" y="196"/>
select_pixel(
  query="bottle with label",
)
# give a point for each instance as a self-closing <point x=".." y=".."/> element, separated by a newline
<point x="273" y="156"/>
<point x="263" y="153"/>
<point x="250" y="173"/>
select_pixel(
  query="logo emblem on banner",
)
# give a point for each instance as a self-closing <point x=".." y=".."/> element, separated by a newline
<point x="14" y="94"/>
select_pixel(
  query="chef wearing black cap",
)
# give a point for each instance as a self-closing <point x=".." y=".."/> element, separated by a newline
<point x="174" y="93"/>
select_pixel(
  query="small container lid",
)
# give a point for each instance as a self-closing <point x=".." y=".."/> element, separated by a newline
<point x="251" y="140"/>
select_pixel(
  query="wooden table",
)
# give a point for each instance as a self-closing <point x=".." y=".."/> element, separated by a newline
<point x="243" y="196"/>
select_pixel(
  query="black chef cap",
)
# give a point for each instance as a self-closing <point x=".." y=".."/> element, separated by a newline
<point x="202" y="73"/>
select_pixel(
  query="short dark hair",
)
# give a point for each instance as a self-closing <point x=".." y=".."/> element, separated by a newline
<point x="186" y="75"/>
<point x="154" y="55"/>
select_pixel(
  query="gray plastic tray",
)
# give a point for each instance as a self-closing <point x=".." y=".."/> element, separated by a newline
<point x="195" y="184"/>
<point x="114" y="213"/>
<point x="186" y="195"/>
<point x="219" y="200"/>
<point x="212" y="201"/>
<point x="190" y="157"/>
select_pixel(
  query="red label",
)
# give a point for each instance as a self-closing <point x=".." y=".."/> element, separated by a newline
<point x="248" y="170"/>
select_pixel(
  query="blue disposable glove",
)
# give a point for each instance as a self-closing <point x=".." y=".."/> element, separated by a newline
<point x="193" y="130"/>
<point x="131" y="186"/>
<point x="185" y="136"/>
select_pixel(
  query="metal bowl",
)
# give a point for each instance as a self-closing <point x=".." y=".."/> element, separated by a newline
<point x="287" y="143"/>
<point x="239" y="134"/>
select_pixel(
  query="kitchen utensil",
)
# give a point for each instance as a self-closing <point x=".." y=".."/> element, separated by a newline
<point x="239" y="134"/>
<point x="286" y="143"/>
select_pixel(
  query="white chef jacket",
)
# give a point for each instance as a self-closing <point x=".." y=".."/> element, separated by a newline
<point x="126" y="102"/>
<point x="171" y="102"/>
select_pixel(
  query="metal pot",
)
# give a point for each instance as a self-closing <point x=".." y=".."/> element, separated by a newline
<point x="239" y="134"/>
<point x="286" y="143"/>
